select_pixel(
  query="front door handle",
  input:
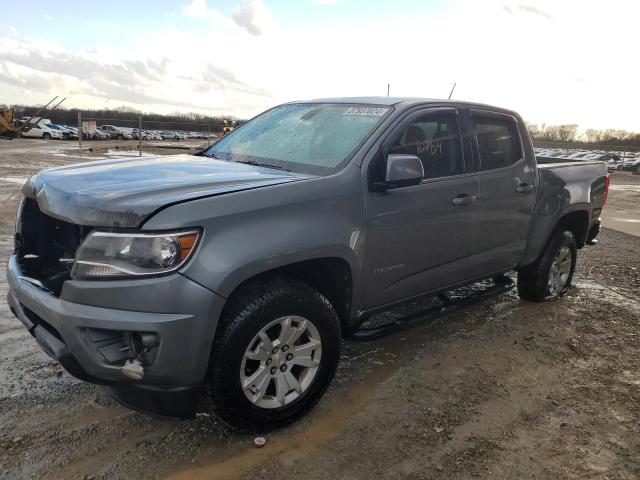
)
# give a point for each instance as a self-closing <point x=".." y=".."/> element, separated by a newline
<point x="524" y="188"/>
<point x="464" y="199"/>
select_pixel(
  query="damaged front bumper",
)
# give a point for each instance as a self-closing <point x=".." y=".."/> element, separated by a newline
<point x="89" y="328"/>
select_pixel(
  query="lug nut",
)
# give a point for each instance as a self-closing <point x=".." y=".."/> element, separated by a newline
<point x="289" y="357"/>
<point x="285" y="348"/>
<point x="275" y="350"/>
<point x="273" y="370"/>
<point x="269" y="360"/>
<point x="283" y="368"/>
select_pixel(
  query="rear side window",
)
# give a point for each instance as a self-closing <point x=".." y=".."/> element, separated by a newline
<point x="498" y="142"/>
<point x="434" y="139"/>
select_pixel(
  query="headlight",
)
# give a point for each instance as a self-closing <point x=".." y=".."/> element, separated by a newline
<point x="107" y="254"/>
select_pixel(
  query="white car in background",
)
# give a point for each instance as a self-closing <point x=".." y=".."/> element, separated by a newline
<point x="43" y="131"/>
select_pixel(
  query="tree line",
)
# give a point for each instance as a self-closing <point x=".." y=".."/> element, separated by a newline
<point x="569" y="134"/>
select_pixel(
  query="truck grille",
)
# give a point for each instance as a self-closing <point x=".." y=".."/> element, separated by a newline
<point x="45" y="246"/>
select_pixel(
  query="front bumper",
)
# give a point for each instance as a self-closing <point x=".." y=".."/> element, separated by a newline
<point x="71" y="328"/>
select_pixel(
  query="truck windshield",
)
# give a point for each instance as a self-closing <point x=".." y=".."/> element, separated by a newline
<point x="306" y="138"/>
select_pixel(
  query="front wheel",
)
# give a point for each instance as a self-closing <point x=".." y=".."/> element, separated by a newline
<point x="275" y="354"/>
<point x="550" y="276"/>
<point x="46" y="136"/>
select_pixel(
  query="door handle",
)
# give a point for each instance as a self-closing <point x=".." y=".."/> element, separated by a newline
<point x="464" y="199"/>
<point x="524" y="188"/>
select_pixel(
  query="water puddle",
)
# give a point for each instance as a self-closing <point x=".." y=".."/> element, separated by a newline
<point x="626" y="220"/>
<point x="625" y="188"/>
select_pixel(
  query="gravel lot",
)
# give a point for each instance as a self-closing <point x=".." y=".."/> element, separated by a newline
<point x="506" y="389"/>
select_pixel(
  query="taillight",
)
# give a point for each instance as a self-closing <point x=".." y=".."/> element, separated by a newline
<point x="606" y="190"/>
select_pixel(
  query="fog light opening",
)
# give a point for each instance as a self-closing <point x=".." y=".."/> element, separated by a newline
<point x="142" y="342"/>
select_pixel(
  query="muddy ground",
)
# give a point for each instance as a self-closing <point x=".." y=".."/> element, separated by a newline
<point x="506" y="389"/>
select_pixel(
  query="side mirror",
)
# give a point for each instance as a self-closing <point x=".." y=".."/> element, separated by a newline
<point x="402" y="171"/>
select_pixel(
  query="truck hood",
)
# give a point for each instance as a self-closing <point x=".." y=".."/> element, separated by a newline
<point x="124" y="192"/>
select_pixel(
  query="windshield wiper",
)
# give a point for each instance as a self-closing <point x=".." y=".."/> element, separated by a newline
<point x="207" y="154"/>
<point x="267" y="165"/>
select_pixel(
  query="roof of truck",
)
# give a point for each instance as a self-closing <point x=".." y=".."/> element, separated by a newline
<point x="403" y="101"/>
<point x="375" y="100"/>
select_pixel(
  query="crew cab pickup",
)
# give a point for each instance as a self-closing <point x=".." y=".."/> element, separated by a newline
<point x="241" y="267"/>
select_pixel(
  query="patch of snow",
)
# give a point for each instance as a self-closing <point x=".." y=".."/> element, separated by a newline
<point x="14" y="180"/>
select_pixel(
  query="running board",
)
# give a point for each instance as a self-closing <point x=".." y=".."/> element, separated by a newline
<point x="448" y="305"/>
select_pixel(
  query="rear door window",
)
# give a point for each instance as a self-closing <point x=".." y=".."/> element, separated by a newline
<point x="498" y="142"/>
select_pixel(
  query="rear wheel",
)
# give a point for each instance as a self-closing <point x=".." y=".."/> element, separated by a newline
<point x="550" y="276"/>
<point x="275" y="354"/>
<point x="46" y="136"/>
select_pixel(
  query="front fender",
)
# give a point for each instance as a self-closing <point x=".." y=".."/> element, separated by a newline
<point x="252" y="232"/>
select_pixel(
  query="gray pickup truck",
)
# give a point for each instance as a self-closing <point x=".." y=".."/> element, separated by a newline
<point x="240" y="268"/>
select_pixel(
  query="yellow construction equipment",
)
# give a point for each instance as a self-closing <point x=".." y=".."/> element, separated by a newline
<point x="7" y="127"/>
<point x="11" y="128"/>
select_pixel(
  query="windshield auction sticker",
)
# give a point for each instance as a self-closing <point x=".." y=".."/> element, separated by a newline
<point x="366" y="111"/>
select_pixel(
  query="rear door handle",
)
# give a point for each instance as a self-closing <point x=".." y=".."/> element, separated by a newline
<point x="524" y="188"/>
<point x="464" y="199"/>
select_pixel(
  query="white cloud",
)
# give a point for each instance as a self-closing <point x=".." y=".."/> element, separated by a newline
<point x="325" y="2"/>
<point x="14" y="30"/>
<point x="197" y="8"/>
<point x="200" y="9"/>
<point x="108" y="26"/>
<point x="254" y="16"/>
<point x="47" y="16"/>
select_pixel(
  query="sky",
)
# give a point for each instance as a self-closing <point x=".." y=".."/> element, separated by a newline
<point x="553" y="61"/>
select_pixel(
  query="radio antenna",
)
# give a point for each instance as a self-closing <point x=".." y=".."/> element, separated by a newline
<point x="452" y="89"/>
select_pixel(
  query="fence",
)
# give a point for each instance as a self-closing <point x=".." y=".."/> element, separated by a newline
<point x="141" y="128"/>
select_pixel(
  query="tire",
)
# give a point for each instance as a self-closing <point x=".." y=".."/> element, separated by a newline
<point x="46" y="136"/>
<point x="250" y="311"/>
<point x="536" y="281"/>
<point x="120" y="137"/>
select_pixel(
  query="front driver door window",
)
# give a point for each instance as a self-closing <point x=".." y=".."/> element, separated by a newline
<point x="435" y="139"/>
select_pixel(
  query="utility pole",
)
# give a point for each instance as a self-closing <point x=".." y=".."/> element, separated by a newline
<point x="139" y="135"/>
<point x="388" y="89"/>
<point x="80" y="133"/>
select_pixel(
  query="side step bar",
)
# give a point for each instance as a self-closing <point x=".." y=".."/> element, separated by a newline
<point x="448" y="304"/>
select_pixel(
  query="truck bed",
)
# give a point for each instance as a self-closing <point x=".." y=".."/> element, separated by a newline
<point x="556" y="162"/>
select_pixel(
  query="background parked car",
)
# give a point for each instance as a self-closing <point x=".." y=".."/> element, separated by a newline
<point x="42" y="131"/>
<point x="94" y="134"/>
<point x="118" y="133"/>
<point x="631" y="165"/>
<point x="73" y="130"/>
<point x="66" y="133"/>
<point x="168" y="135"/>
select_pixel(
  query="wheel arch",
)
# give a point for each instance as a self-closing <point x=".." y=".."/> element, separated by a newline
<point x="577" y="221"/>
<point x="331" y="276"/>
